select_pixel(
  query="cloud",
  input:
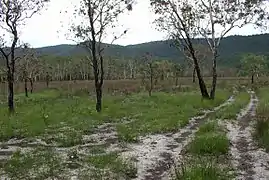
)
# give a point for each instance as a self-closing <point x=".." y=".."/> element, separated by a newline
<point x="42" y="30"/>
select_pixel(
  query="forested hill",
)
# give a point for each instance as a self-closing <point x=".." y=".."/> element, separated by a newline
<point x="231" y="48"/>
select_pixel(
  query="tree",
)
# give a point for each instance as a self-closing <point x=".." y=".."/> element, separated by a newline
<point x="29" y="66"/>
<point x="177" y="69"/>
<point x="252" y="64"/>
<point x="149" y="72"/>
<point x="177" y="19"/>
<point x="202" y="53"/>
<point x="215" y="19"/>
<point x="98" y="17"/>
<point x="186" y="20"/>
<point x="164" y="68"/>
<point x="13" y="14"/>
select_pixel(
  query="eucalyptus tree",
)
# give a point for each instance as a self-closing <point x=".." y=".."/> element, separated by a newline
<point x="14" y="14"/>
<point x="97" y="18"/>
<point x="185" y="20"/>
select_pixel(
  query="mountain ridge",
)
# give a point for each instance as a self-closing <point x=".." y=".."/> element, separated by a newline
<point x="231" y="48"/>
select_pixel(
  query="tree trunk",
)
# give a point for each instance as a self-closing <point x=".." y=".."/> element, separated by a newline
<point x="132" y="73"/>
<point x="10" y="93"/>
<point x="98" y="68"/>
<point x="151" y="80"/>
<point x="252" y="79"/>
<point x="214" y="80"/>
<point x="193" y="75"/>
<point x="200" y="78"/>
<point x="162" y="76"/>
<point x="47" y="80"/>
<point x="32" y="85"/>
<point x="202" y="84"/>
<point x="98" y="98"/>
<point x="176" y="80"/>
<point x="25" y="87"/>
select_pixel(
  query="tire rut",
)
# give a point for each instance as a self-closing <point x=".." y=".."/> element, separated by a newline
<point x="250" y="162"/>
<point x="156" y="154"/>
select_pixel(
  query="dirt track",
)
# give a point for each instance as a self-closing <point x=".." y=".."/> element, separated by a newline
<point x="157" y="153"/>
<point x="250" y="162"/>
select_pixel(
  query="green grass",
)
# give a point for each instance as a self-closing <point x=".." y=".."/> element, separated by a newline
<point x="113" y="162"/>
<point x="230" y="112"/>
<point x="43" y="163"/>
<point x="202" y="169"/>
<point x="164" y="112"/>
<point x="45" y="112"/>
<point x="62" y="119"/>
<point x="262" y="124"/>
<point x="210" y="143"/>
<point x="208" y="127"/>
<point x="209" y="140"/>
<point x="206" y="149"/>
<point x="40" y="163"/>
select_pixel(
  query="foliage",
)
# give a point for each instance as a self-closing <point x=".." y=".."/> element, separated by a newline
<point x="252" y="64"/>
<point x="97" y="17"/>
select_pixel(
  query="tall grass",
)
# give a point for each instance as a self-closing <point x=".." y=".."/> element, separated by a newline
<point x="47" y="111"/>
<point x="262" y="123"/>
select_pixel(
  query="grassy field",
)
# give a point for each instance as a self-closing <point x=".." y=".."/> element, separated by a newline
<point x="53" y="109"/>
<point x="262" y="125"/>
<point x="56" y="132"/>
<point x="127" y="86"/>
<point x="205" y="155"/>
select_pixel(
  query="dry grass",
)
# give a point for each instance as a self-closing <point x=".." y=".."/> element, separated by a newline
<point x="126" y="85"/>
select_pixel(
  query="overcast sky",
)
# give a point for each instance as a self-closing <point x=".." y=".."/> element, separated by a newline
<point x="42" y="30"/>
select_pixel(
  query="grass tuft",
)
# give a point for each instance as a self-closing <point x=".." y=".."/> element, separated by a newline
<point x="262" y="124"/>
<point x="231" y="111"/>
<point x="210" y="143"/>
<point x="201" y="169"/>
<point x="113" y="162"/>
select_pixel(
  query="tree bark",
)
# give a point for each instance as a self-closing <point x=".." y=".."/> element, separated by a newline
<point x="176" y="80"/>
<point x="25" y="87"/>
<point x="193" y="75"/>
<point x="11" y="107"/>
<point x="32" y="85"/>
<point x="47" y="80"/>
<point x="98" y="98"/>
<point x="214" y="74"/>
<point x="151" y="79"/>
<point x="202" y="84"/>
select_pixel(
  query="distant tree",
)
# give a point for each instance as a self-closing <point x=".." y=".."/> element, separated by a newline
<point x="178" y="70"/>
<point x="132" y="66"/>
<point x="164" y="67"/>
<point x="149" y="68"/>
<point x="252" y="65"/>
<point x="13" y="14"/>
<point x="98" y="17"/>
<point x="186" y="20"/>
<point x="29" y="66"/>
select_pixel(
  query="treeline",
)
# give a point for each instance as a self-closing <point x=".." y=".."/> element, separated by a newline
<point x="59" y="68"/>
<point x="231" y="49"/>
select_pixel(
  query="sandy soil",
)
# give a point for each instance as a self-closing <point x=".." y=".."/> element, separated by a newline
<point x="250" y="162"/>
<point x="156" y="154"/>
